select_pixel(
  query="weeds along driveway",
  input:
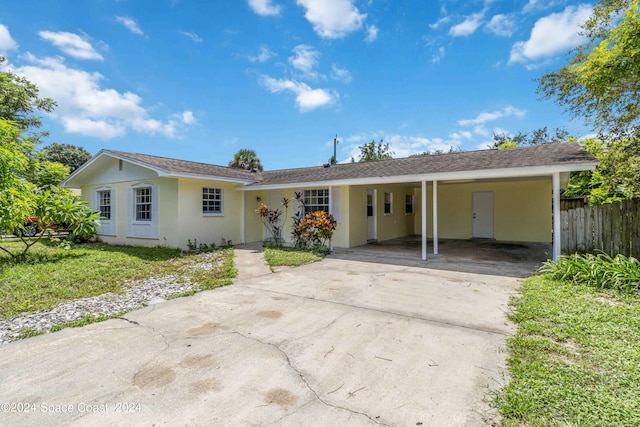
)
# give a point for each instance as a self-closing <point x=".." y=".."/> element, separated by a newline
<point x="332" y="343"/>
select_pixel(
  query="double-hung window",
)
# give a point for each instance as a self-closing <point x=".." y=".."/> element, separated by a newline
<point x="408" y="204"/>
<point x="143" y="204"/>
<point x="104" y="204"/>
<point x="316" y="200"/>
<point x="388" y="203"/>
<point x="212" y="201"/>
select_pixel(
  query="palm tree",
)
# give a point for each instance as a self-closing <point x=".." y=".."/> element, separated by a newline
<point x="246" y="159"/>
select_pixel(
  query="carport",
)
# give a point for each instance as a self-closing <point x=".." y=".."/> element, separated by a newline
<point x="516" y="259"/>
<point x="502" y="196"/>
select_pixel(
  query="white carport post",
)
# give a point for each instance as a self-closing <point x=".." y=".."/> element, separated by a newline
<point x="424" y="220"/>
<point x="435" y="217"/>
<point x="557" y="238"/>
<point x="243" y="237"/>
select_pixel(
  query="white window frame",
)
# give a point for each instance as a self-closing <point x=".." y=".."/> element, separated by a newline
<point x="220" y="192"/>
<point x="389" y="203"/>
<point x="143" y="229"/>
<point x="103" y="207"/>
<point x="149" y="203"/>
<point x="107" y="225"/>
<point x="312" y="197"/>
<point x="412" y="199"/>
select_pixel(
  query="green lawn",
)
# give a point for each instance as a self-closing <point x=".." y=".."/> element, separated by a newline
<point x="288" y="257"/>
<point x="575" y="360"/>
<point x="51" y="275"/>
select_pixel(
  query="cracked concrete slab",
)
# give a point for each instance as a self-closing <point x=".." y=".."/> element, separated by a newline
<point x="338" y="343"/>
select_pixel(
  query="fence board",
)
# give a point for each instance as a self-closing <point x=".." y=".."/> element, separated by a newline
<point x="635" y="235"/>
<point x="564" y="231"/>
<point x="579" y="229"/>
<point x="625" y="235"/>
<point x="616" y="227"/>
<point x="588" y="229"/>
<point x="606" y="230"/>
<point x="613" y="228"/>
<point x="597" y="228"/>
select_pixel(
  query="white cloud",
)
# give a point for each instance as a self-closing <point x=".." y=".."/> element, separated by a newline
<point x="340" y="74"/>
<point x="372" y="33"/>
<point x="437" y="57"/>
<point x="534" y="5"/>
<point x="87" y="108"/>
<point x="440" y="22"/>
<point x="501" y="25"/>
<point x="332" y="19"/>
<point x="130" y="25"/>
<point x="71" y="44"/>
<point x="307" y="98"/>
<point x="94" y="128"/>
<point x="265" y="7"/>
<point x="552" y="34"/>
<point x="264" y="55"/>
<point x="305" y="60"/>
<point x="187" y="117"/>
<point x="485" y="117"/>
<point x="468" y="26"/>
<point x="400" y="145"/>
<point x="7" y="42"/>
<point x="193" y="36"/>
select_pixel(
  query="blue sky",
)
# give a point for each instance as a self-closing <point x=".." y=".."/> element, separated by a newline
<point x="200" y="80"/>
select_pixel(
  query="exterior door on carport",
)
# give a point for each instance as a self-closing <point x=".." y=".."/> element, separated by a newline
<point x="372" y="230"/>
<point x="483" y="214"/>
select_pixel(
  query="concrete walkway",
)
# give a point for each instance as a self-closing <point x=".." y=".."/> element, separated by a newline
<point x="249" y="261"/>
<point x="338" y="342"/>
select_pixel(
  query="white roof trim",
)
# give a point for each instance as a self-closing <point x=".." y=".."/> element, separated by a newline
<point x="519" y="172"/>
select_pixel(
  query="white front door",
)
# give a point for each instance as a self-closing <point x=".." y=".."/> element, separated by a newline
<point x="483" y="214"/>
<point x="372" y="230"/>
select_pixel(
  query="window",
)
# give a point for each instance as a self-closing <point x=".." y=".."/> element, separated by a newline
<point x="143" y="204"/>
<point x="212" y="201"/>
<point x="104" y="204"/>
<point x="408" y="204"/>
<point x="388" y="203"/>
<point x="316" y="200"/>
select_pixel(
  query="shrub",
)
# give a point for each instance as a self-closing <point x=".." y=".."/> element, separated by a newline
<point x="316" y="230"/>
<point x="600" y="271"/>
<point x="271" y="218"/>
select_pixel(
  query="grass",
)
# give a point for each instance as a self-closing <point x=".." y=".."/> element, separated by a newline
<point x="288" y="257"/>
<point x="49" y="275"/>
<point x="575" y="360"/>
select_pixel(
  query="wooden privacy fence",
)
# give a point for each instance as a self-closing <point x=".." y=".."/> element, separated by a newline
<point x="612" y="228"/>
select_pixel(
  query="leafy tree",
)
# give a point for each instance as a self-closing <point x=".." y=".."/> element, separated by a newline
<point x="17" y="196"/>
<point x="21" y="203"/>
<point x="48" y="174"/>
<point x="246" y="159"/>
<point x="66" y="154"/>
<point x="601" y="81"/>
<point x="19" y="100"/>
<point x="451" y="149"/>
<point x="536" y="137"/>
<point x="374" y="151"/>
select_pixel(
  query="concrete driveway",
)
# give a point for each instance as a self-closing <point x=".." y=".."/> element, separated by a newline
<point x="335" y="343"/>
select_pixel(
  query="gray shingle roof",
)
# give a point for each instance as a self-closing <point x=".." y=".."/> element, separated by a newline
<point x="188" y="167"/>
<point x="542" y="155"/>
